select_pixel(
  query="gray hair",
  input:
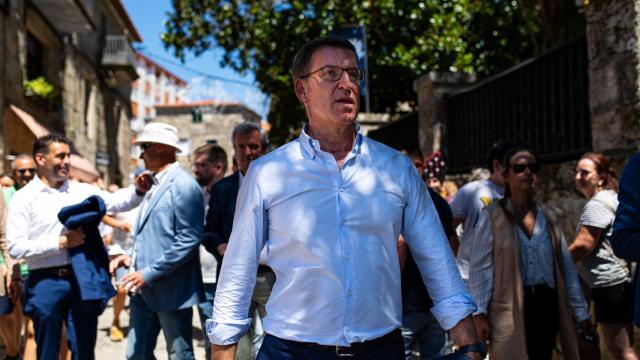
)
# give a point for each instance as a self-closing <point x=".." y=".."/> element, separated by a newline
<point x="247" y="128"/>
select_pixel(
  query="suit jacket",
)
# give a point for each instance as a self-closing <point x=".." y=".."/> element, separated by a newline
<point x="168" y="232"/>
<point x="89" y="261"/>
<point x="626" y="228"/>
<point x="222" y="206"/>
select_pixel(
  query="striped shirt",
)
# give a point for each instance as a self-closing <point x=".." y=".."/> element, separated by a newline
<point x="602" y="268"/>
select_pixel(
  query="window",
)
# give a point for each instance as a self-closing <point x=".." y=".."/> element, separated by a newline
<point x="35" y="57"/>
<point x="196" y="116"/>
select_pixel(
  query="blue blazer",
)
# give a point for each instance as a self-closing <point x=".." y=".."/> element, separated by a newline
<point x="89" y="261"/>
<point x="222" y="207"/>
<point x="167" y="236"/>
<point x="626" y="228"/>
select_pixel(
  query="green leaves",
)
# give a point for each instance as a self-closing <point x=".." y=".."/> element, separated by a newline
<point x="406" y="39"/>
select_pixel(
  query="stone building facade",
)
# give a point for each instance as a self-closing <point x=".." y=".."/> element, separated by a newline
<point x="205" y="122"/>
<point x="83" y="50"/>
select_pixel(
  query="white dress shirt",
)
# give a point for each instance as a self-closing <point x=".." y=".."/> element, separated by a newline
<point x="537" y="264"/>
<point x="331" y="237"/>
<point x="33" y="228"/>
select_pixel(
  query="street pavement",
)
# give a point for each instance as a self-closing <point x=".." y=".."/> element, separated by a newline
<point x="109" y="350"/>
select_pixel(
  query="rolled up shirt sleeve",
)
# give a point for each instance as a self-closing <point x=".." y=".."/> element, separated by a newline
<point x="432" y="253"/>
<point x="237" y="279"/>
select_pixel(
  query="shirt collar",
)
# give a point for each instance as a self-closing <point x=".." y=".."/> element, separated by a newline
<point x="311" y="146"/>
<point x="162" y="174"/>
<point x="40" y="186"/>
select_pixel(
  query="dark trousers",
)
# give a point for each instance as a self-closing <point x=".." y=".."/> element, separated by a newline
<point x="541" y="314"/>
<point x="49" y="300"/>
<point x="273" y="348"/>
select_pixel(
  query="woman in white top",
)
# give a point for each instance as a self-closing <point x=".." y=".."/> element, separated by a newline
<point x="607" y="275"/>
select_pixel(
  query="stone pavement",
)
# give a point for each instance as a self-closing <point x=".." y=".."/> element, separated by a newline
<point x="108" y="350"/>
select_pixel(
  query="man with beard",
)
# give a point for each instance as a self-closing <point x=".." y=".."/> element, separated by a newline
<point x="209" y="166"/>
<point x="34" y="233"/>
<point x="248" y="144"/>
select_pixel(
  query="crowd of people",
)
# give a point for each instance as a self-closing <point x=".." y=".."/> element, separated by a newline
<point x="330" y="246"/>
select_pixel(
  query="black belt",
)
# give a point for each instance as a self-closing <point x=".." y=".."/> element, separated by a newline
<point x="357" y="347"/>
<point x="59" y="271"/>
<point x="538" y="288"/>
<point x="263" y="269"/>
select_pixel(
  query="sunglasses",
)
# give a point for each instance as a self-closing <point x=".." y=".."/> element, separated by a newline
<point x="22" y="171"/>
<point x="145" y="146"/>
<point x="519" y="168"/>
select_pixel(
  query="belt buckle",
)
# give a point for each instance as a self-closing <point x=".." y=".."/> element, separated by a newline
<point x="348" y="353"/>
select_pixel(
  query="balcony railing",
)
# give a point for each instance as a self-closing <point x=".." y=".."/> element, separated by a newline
<point x="118" y="55"/>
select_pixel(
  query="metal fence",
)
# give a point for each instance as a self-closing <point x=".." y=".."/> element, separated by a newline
<point x="542" y="102"/>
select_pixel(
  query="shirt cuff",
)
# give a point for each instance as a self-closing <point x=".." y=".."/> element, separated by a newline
<point x="449" y="312"/>
<point x="582" y="315"/>
<point x="226" y="334"/>
<point x="149" y="276"/>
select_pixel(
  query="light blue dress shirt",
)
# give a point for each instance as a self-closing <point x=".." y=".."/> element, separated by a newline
<point x="331" y="239"/>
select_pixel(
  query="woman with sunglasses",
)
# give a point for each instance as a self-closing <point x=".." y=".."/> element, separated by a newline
<point x="607" y="275"/>
<point x="521" y="273"/>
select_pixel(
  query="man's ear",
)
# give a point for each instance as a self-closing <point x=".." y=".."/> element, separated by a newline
<point x="301" y="92"/>
<point x="40" y="159"/>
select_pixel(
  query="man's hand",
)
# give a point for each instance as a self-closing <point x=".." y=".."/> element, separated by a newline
<point x="223" y="352"/>
<point x="71" y="239"/>
<point x="222" y="248"/>
<point x="143" y="182"/>
<point x="119" y="261"/>
<point x="483" y="329"/>
<point x="132" y="282"/>
<point x="464" y="333"/>
<point x="124" y="227"/>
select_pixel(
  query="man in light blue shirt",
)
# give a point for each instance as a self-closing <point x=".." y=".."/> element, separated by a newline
<point x="329" y="207"/>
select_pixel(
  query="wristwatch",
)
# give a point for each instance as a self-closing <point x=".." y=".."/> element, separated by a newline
<point x="480" y="348"/>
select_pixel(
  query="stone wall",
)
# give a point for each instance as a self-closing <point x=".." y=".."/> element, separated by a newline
<point x="613" y="29"/>
<point x="214" y="126"/>
<point x="432" y="89"/>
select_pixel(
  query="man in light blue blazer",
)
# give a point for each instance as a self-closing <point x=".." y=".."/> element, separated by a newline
<point x="165" y="280"/>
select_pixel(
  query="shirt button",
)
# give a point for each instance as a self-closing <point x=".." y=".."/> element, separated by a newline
<point x="347" y="258"/>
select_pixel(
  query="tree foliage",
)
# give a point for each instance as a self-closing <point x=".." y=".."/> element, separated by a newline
<point x="405" y="40"/>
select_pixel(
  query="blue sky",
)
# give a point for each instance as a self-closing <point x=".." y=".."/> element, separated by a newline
<point x="148" y="17"/>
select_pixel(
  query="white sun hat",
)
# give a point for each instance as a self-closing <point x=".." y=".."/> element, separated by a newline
<point x="160" y="133"/>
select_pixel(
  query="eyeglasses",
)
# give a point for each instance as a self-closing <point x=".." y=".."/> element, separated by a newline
<point x="22" y="171"/>
<point x="519" y="168"/>
<point x="334" y="73"/>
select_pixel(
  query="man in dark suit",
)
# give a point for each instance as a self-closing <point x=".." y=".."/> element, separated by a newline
<point x="625" y="239"/>
<point x="248" y="144"/>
